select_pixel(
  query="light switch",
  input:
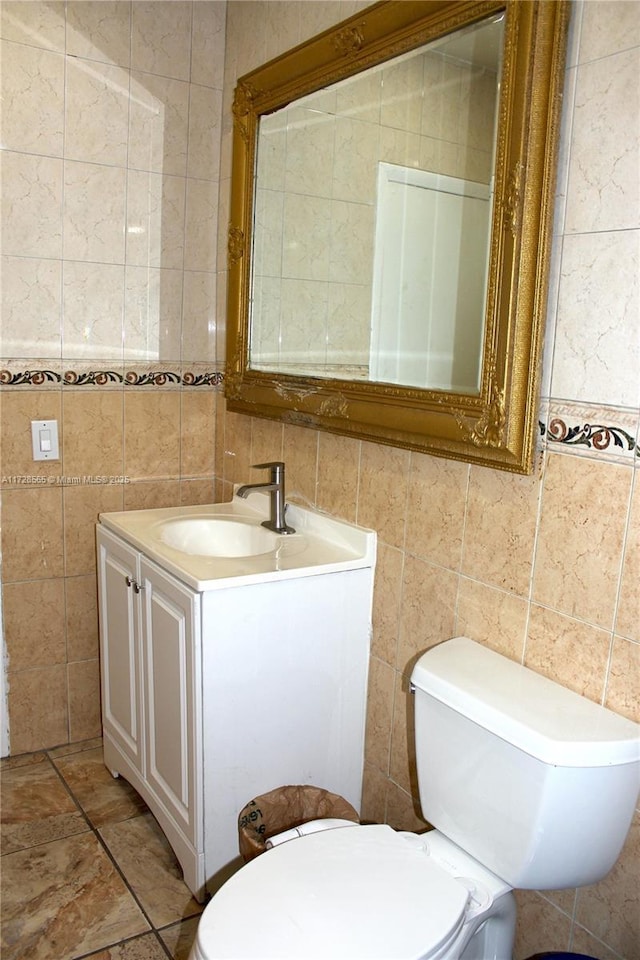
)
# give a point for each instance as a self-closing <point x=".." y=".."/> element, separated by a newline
<point x="44" y="439"/>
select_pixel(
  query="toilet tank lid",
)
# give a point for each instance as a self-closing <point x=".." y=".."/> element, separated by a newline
<point x="524" y="708"/>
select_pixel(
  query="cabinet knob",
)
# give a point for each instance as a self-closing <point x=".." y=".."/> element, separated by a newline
<point x="129" y="582"/>
<point x="137" y="588"/>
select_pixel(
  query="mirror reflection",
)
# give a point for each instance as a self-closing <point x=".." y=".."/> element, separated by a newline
<point x="372" y="220"/>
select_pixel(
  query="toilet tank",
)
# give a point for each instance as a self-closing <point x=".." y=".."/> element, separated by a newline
<point x="536" y="782"/>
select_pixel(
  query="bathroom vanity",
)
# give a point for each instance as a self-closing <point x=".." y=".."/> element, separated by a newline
<point x="233" y="661"/>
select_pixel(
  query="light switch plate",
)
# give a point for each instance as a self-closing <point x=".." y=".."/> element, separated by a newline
<point x="44" y="439"/>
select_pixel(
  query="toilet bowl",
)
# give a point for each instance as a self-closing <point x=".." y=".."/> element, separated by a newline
<point x="357" y="892"/>
<point x="528" y="785"/>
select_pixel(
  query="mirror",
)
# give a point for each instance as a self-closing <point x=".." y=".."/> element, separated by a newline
<point x="372" y="220"/>
<point x="391" y="211"/>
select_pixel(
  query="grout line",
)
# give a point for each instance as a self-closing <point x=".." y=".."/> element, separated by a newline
<point x="153" y="929"/>
<point x="626" y="539"/>
<point x="95" y="830"/>
<point x="101" y="950"/>
<point x="70" y="793"/>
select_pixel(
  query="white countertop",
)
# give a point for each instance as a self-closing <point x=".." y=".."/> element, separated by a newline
<point x="321" y="544"/>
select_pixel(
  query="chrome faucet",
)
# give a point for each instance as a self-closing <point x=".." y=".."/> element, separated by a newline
<point x="276" y="488"/>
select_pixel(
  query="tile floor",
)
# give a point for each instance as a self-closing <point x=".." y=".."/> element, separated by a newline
<point x="85" y="870"/>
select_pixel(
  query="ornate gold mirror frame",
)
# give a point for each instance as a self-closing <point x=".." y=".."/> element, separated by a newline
<point x="496" y="427"/>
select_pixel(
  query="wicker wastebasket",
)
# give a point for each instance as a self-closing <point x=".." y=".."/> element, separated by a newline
<point x="284" y="808"/>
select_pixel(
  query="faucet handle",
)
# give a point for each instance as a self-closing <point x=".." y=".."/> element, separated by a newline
<point x="276" y="467"/>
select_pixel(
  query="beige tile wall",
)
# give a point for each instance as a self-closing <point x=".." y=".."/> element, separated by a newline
<point x="111" y="126"/>
<point x="162" y="442"/>
<point x="545" y="569"/>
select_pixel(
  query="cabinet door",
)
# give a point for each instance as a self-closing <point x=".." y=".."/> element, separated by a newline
<point x="171" y="630"/>
<point x="120" y="646"/>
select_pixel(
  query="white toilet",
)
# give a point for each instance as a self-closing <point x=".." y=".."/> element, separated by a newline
<point x="528" y="784"/>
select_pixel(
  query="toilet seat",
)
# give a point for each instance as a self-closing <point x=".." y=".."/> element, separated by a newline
<point x="351" y="892"/>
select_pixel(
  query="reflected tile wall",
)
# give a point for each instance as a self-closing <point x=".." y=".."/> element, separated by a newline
<point x="544" y="569"/>
<point x="317" y="173"/>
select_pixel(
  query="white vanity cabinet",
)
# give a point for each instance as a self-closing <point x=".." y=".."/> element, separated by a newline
<point x="215" y="691"/>
<point x="150" y="640"/>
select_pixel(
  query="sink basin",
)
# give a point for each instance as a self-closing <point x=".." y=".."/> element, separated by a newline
<point x="218" y="537"/>
<point x="213" y="546"/>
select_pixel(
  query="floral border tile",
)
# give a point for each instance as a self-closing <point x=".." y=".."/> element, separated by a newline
<point x="202" y="374"/>
<point x="591" y="430"/>
<point x="87" y="375"/>
<point x="116" y="376"/>
<point x="166" y="375"/>
<point x="44" y="374"/>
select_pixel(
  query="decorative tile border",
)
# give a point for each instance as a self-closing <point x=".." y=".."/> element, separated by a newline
<point x="582" y="429"/>
<point x="54" y="375"/>
<point x="590" y="430"/>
